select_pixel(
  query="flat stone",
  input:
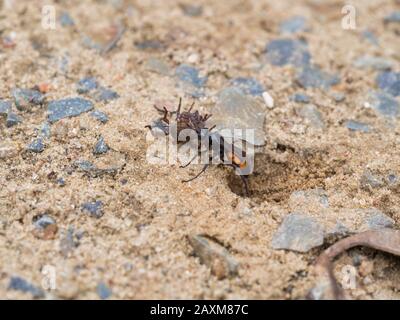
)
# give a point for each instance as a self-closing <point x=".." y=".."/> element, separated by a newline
<point x="301" y="199"/>
<point x="384" y="104"/>
<point x="236" y="110"/>
<point x="12" y="120"/>
<point x="389" y="82"/>
<point x="190" y="75"/>
<point x="300" y="98"/>
<point x="357" y="126"/>
<point x="314" y="77"/>
<point x="293" y="25"/>
<point x="99" y="115"/>
<point x="45" y="227"/>
<point x="66" y="108"/>
<point x="25" y="98"/>
<point x="248" y="85"/>
<point x="214" y="255"/>
<point x="94" y="209"/>
<point x="192" y="10"/>
<point x="86" y="84"/>
<point x="375" y="219"/>
<point x="313" y="116"/>
<point x="109" y="164"/>
<point x="100" y="147"/>
<point x="158" y="66"/>
<point x="36" y="146"/>
<point x="370" y="180"/>
<point x="20" y="284"/>
<point x="103" y="94"/>
<point x="298" y="233"/>
<point x="393" y="17"/>
<point x="103" y="291"/>
<point x="282" y="52"/>
<point x="373" y="63"/>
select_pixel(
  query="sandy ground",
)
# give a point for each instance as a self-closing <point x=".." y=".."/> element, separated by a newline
<point x="139" y="248"/>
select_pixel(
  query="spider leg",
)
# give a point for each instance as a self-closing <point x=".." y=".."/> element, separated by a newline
<point x="196" y="176"/>
<point x="245" y="180"/>
<point x="190" y="109"/>
<point x="184" y="166"/>
<point x="178" y="111"/>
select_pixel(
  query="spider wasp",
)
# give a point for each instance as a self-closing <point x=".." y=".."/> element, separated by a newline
<point x="218" y="149"/>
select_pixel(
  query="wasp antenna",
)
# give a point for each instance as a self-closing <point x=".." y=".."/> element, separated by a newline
<point x="190" y="109"/>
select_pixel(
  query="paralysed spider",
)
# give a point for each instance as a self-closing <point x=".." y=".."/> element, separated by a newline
<point x="218" y="149"/>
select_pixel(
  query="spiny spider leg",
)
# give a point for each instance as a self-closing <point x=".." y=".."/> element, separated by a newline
<point x="196" y="176"/>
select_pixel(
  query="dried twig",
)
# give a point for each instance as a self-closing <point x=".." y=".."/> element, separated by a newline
<point x="386" y="240"/>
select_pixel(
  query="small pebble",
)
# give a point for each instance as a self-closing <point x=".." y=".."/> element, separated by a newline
<point x="100" y="147"/>
<point x="190" y="75"/>
<point x="45" y="130"/>
<point x="68" y="242"/>
<point x="338" y="96"/>
<point x="383" y="103"/>
<point x="12" y="120"/>
<point x="269" y="101"/>
<point x="158" y="66"/>
<point x="103" y="291"/>
<point x="248" y="85"/>
<point x="66" y="20"/>
<point x="25" y="98"/>
<point x="20" y="284"/>
<point x="36" y="146"/>
<point x="149" y="45"/>
<point x="389" y="82"/>
<point x="60" y="182"/>
<point x="298" y="233"/>
<point x="100" y="116"/>
<point x="66" y="108"/>
<point x="293" y="25"/>
<point x="301" y="98"/>
<point x="314" y="77"/>
<point x="103" y="94"/>
<point x="357" y="126"/>
<point x="374" y="63"/>
<point x="45" y="227"/>
<point x="281" y="52"/>
<point x="86" y="84"/>
<point x="192" y="10"/>
<point x="369" y="181"/>
<point x="5" y="107"/>
<point x="370" y="37"/>
<point x="94" y="209"/>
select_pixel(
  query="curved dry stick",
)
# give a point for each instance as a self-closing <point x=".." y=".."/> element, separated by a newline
<point x="386" y="240"/>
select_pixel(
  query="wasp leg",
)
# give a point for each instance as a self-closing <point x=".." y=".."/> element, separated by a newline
<point x="178" y="111"/>
<point x="196" y="176"/>
<point x="184" y="166"/>
<point x="190" y="109"/>
<point x="245" y="180"/>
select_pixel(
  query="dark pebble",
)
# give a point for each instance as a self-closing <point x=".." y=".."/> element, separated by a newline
<point x="94" y="209"/>
<point x="314" y="77"/>
<point x="103" y="94"/>
<point x="66" y="108"/>
<point x="12" y="120"/>
<point x="36" y="146"/>
<point x="60" y="182"/>
<point x="86" y="84"/>
<point x="20" y="284"/>
<point x="5" y="107"/>
<point x="24" y="98"/>
<point x="281" y="52"/>
<point x="389" y="82"/>
<point x="248" y="85"/>
<point x="103" y="291"/>
<point x="101" y="147"/>
<point x="100" y="116"/>
<point x="43" y="221"/>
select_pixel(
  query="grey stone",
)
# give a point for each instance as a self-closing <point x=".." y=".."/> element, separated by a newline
<point x="384" y="103"/>
<point x="158" y="66"/>
<point x="36" y="146"/>
<point x="109" y="164"/>
<point x="369" y="180"/>
<point x="103" y="291"/>
<point x="60" y="182"/>
<point x="12" y="120"/>
<point x="298" y="233"/>
<point x="86" y="84"/>
<point x="248" y="85"/>
<point x="94" y="209"/>
<point x="311" y="113"/>
<point x="303" y="198"/>
<point x="5" y="107"/>
<point x="314" y="77"/>
<point x="281" y="52"/>
<point x="45" y="131"/>
<point x="100" y="116"/>
<point x="25" y="98"/>
<point x="235" y="110"/>
<point x="301" y="98"/>
<point x="389" y="82"/>
<point x="370" y="37"/>
<point x="377" y="220"/>
<point x="150" y="45"/>
<point x="374" y="63"/>
<point x="20" y="284"/>
<point x="43" y="221"/>
<point x="66" y="20"/>
<point x="103" y="94"/>
<point x="293" y="25"/>
<point x="357" y="126"/>
<point x="192" y="10"/>
<point x="190" y="75"/>
<point x="214" y="255"/>
<point x="100" y="147"/>
<point x="66" y="108"/>
<point x="394" y="17"/>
